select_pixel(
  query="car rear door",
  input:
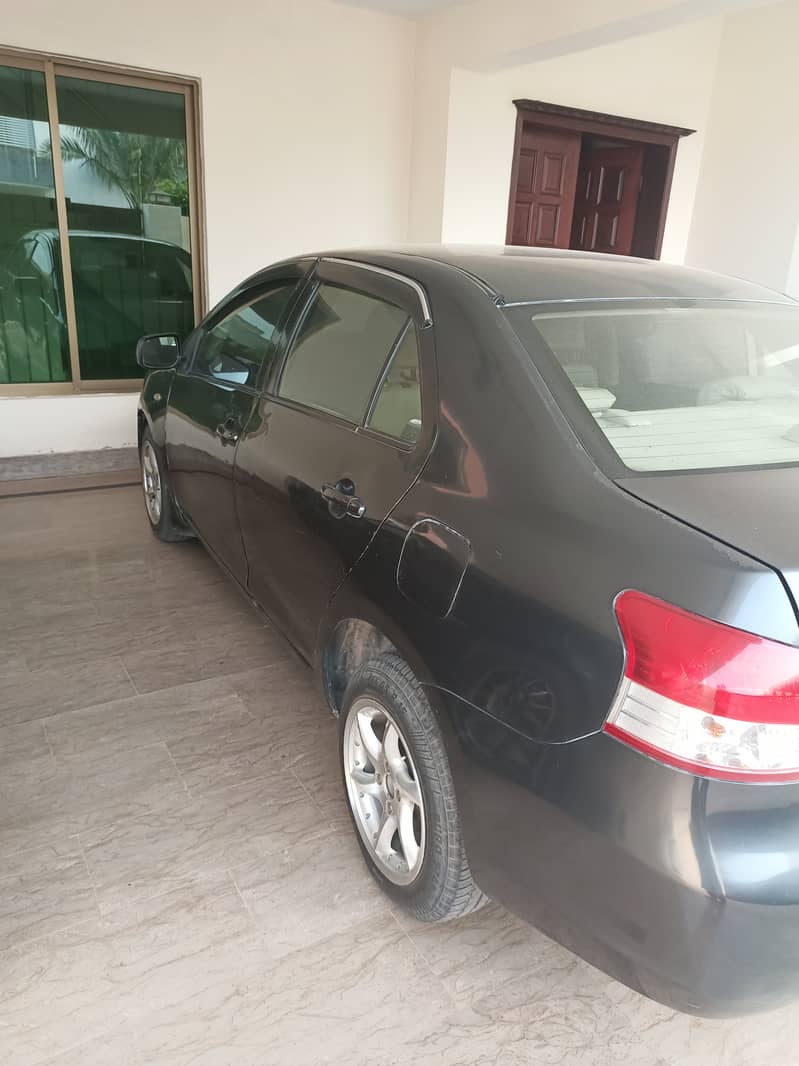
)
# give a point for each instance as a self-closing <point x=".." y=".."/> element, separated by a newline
<point x="338" y="436"/>
<point x="212" y="396"/>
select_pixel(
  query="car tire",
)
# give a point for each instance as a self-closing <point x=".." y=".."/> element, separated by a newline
<point x="159" y="503"/>
<point x="393" y="754"/>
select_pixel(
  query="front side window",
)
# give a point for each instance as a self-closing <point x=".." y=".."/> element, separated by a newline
<point x="340" y="351"/>
<point x="680" y="386"/>
<point x="235" y="349"/>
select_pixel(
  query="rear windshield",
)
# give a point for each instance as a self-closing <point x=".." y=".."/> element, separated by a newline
<point x="677" y="386"/>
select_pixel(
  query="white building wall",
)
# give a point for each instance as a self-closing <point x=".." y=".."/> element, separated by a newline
<point x="41" y="424"/>
<point x="307" y="111"/>
<point x="634" y="78"/>
<point x="747" y="209"/>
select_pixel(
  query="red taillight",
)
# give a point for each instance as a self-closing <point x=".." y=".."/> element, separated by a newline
<point x="706" y="697"/>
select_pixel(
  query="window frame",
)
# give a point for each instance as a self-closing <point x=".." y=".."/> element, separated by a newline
<point x="50" y="65"/>
<point x="380" y="284"/>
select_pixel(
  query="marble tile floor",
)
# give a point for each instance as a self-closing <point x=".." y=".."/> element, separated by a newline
<point x="178" y="881"/>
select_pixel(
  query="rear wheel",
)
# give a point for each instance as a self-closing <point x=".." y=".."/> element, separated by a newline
<point x="158" y="501"/>
<point x="401" y="795"/>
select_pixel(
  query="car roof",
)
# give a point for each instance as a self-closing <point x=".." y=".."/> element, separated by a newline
<point x="544" y="275"/>
<point x="52" y="234"/>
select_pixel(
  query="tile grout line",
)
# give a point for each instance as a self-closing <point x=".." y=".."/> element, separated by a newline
<point x="177" y="770"/>
<point x="421" y="955"/>
<point x="127" y="674"/>
<point x="305" y="790"/>
<point x="89" y="873"/>
<point x="244" y="904"/>
<point x="47" y="742"/>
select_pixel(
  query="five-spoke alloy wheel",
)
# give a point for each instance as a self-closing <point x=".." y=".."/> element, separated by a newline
<point x="162" y="513"/>
<point x="384" y="791"/>
<point x="151" y="482"/>
<point x="400" y="792"/>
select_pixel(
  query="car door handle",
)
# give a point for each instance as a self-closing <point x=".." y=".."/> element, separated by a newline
<point x="350" y="504"/>
<point x="229" y="431"/>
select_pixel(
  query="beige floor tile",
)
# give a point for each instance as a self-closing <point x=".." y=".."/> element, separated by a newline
<point x="367" y="997"/>
<point x="109" y="974"/>
<point x="30" y="694"/>
<point x="43" y="890"/>
<point x="18" y="744"/>
<point x="117" y="1048"/>
<point x="295" y="910"/>
<point x="158" y="850"/>
<point x="245" y="750"/>
<point x="81" y="791"/>
<point x="212" y="657"/>
<point x="164" y="715"/>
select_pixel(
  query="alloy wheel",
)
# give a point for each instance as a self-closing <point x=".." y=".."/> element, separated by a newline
<point x="384" y="791"/>
<point x="151" y="481"/>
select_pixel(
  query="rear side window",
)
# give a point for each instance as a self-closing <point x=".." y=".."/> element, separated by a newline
<point x="397" y="410"/>
<point x="340" y="351"/>
<point x="683" y="386"/>
<point x="235" y="349"/>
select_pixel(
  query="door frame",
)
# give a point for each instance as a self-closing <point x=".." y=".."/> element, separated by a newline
<point x="52" y="64"/>
<point x="576" y="119"/>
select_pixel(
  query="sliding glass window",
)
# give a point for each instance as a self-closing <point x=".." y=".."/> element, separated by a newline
<point x="33" y="335"/>
<point x="96" y="230"/>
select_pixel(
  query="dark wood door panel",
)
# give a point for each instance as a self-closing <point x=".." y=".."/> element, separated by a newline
<point x="606" y="203"/>
<point x="543" y="187"/>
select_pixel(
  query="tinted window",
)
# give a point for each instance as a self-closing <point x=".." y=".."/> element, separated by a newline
<point x="681" y="387"/>
<point x="125" y="172"/>
<point x="33" y="336"/>
<point x="236" y="348"/>
<point x="398" y="410"/>
<point x="340" y="351"/>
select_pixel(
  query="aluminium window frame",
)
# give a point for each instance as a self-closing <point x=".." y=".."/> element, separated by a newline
<point x="52" y="65"/>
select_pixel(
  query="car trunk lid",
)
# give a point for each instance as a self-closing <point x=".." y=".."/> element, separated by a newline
<point x="755" y="511"/>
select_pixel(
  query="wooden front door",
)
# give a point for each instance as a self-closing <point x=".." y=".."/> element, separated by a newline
<point x="607" y="199"/>
<point x="543" y="188"/>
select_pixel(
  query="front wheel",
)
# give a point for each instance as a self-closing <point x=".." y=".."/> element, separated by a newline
<point x="400" y="793"/>
<point x="158" y="502"/>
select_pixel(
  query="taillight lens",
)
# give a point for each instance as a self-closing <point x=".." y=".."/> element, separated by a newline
<point x="705" y="697"/>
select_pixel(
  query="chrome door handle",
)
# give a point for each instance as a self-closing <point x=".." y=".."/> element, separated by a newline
<point x="228" y="431"/>
<point x="350" y="504"/>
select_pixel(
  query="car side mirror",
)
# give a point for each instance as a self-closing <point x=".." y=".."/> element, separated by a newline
<point x="158" y="351"/>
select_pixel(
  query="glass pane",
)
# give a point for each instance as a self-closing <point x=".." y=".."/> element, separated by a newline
<point x="236" y="348"/>
<point x="126" y="184"/>
<point x="340" y="351"/>
<point x="33" y="335"/>
<point x="681" y="387"/>
<point x="398" y="411"/>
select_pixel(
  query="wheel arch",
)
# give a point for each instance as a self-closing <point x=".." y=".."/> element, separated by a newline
<point x="142" y="423"/>
<point x="353" y="631"/>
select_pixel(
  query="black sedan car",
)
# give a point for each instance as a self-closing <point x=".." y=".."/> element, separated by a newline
<point x="532" y="518"/>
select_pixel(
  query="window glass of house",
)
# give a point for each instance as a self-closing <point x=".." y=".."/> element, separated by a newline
<point x="33" y="336"/>
<point x="398" y="409"/>
<point x="235" y="349"/>
<point x="125" y="169"/>
<point x="340" y="351"/>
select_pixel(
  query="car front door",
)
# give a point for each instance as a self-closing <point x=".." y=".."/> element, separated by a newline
<point x="338" y="436"/>
<point x="212" y="395"/>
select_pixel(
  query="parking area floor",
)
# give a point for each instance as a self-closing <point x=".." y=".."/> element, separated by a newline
<point x="178" y="880"/>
